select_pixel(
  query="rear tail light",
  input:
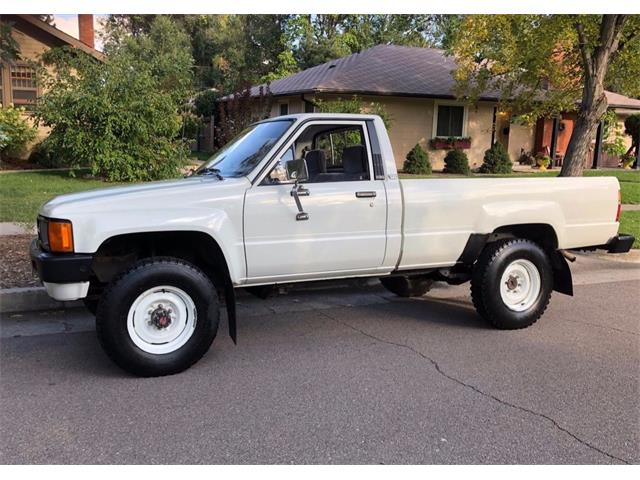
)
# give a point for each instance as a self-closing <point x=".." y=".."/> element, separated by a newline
<point x="619" y="206"/>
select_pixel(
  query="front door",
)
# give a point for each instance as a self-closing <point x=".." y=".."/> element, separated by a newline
<point x="342" y="228"/>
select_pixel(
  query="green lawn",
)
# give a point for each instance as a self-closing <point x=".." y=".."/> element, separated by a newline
<point x="21" y="194"/>
<point x="629" y="179"/>
<point x="630" y="223"/>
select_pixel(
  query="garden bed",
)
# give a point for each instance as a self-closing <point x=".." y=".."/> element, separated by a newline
<point x="15" y="268"/>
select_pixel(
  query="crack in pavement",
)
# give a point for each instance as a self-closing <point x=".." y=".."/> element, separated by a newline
<point x="478" y="390"/>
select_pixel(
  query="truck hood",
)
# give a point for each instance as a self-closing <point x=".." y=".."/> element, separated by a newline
<point x="159" y="194"/>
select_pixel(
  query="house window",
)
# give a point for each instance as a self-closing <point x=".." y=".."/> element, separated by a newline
<point x="284" y="109"/>
<point x="309" y="107"/>
<point x="24" y="89"/>
<point x="450" y="121"/>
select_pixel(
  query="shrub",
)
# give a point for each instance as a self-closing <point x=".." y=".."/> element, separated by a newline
<point x="120" y="117"/>
<point x="417" y="162"/>
<point x="456" y="161"/>
<point x="632" y="128"/>
<point x="15" y="131"/>
<point x="41" y="155"/>
<point x="496" y="160"/>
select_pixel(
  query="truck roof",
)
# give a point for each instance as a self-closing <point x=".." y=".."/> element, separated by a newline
<point x="331" y="116"/>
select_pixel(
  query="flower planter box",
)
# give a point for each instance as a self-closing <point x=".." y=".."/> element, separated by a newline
<point x="450" y="144"/>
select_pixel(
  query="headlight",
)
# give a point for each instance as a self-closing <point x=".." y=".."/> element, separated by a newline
<point x="56" y="235"/>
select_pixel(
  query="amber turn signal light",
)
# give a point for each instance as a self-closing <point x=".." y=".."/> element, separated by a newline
<point x="60" y="236"/>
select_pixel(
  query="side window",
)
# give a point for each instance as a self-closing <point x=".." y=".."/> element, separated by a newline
<point x="324" y="153"/>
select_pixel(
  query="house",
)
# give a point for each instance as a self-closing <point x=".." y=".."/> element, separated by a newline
<point x="18" y="84"/>
<point x="415" y="86"/>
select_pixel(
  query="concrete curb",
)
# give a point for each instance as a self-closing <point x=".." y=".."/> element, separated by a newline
<point x="30" y="299"/>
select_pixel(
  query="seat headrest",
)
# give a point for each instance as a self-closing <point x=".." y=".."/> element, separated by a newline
<point x="316" y="161"/>
<point x="353" y="159"/>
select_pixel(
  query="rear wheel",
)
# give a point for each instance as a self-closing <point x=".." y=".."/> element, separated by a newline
<point x="158" y="318"/>
<point x="512" y="283"/>
<point x="404" y="286"/>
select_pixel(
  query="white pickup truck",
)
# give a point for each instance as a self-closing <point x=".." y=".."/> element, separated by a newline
<point x="304" y="198"/>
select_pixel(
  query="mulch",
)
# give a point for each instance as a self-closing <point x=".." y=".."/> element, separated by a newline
<point x="15" y="264"/>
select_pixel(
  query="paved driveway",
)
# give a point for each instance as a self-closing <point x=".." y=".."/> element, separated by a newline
<point x="343" y="375"/>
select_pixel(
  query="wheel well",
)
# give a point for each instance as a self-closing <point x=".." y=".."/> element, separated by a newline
<point x="117" y="253"/>
<point x="541" y="233"/>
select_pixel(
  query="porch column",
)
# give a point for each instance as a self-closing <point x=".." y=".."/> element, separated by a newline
<point x="493" y="126"/>
<point x="554" y="140"/>
<point x="597" y="152"/>
<point x="636" y="164"/>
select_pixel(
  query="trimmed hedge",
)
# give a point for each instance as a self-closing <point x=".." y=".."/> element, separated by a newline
<point x="456" y="161"/>
<point x="417" y="162"/>
<point x="496" y="160"/>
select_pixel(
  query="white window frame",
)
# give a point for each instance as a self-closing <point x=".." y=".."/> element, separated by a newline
<point x="452" y="103"/>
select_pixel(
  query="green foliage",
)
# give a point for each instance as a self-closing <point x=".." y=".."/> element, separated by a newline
<point x="417" y="162"/>
<point x="613" y="136"/>
<point x="456" y="161"/>
<point x="205" y="103"/>
<point x="535" y="62"/>
<point x="496" y="160"/>
<point x="122" y="117"/>
<point x="355" y="105"/>
<point x="15" y="131"/>
<point x="41" y="155"/>
<point x="9" y="48"/>
<point x="543" y="160"/>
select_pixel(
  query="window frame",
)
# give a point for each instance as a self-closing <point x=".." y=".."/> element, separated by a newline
<point x="452" y="103"/>
<point x="280" y="105"/>
<point x="9" y="82"/>
<point x="260" y="179"/>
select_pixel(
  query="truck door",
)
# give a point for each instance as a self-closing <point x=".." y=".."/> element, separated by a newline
<point x="337" y="224"/>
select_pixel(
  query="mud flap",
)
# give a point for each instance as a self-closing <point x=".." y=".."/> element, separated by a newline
<point x="230" y="301"/>
<point x="562" y="280"/>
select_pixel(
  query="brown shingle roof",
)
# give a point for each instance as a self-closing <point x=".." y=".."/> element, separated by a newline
<point x="381" y="70"/>
<point x="391" y="70"/>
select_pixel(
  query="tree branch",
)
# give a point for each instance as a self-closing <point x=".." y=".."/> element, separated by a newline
<point x="582" y="44"/>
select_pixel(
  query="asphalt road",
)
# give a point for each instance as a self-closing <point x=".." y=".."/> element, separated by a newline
<point x="343" y="375"/>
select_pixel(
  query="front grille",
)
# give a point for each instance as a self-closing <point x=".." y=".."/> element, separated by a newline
<point x="43" y="232"/>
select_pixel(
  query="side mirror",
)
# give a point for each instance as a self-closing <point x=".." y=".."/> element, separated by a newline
<point x="297" y="170"/>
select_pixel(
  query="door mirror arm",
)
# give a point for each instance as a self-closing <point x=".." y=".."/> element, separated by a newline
<point x="296" y="192"/>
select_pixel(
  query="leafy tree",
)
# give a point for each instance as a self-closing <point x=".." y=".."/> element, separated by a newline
<point x="121" y="117"/>
<point x="417" y="162"/>
<point x="355" y="105"/>
<point x="456" y="161"/>
<point x="241" y="110"/>
<point x="544" y="64"/>
<point x="496" y="160"/>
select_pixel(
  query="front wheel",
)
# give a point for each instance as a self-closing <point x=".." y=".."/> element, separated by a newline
<point x="159" y="318"/>
<point x="512" y="283"/>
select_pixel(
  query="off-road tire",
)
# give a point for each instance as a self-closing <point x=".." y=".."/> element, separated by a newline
<point x="114" y="305"/>
<point x="404" y="286"/>
<point x="485" y="283"/>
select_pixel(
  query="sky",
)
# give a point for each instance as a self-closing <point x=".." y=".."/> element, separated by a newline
<point x="69" y="24"/>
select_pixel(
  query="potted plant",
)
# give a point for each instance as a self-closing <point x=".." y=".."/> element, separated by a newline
<point x="627" y="161"/>
<point x="450" y="143"/>
<point x="543" y="161"/>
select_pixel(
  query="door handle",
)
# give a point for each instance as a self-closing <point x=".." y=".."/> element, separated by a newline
<point x="366" y="194"/>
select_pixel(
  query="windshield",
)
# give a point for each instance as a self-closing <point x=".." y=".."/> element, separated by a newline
<point x="241" y="155"/>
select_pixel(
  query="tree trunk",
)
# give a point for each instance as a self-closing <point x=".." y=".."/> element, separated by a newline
<point x="594" y="102"/>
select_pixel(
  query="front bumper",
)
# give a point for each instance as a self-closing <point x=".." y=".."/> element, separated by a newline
<point x="620" y="243"/>
<point x="64" y="275"/>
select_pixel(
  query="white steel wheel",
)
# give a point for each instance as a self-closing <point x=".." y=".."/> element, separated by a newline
<point x="520" y="285"/>
<point x="161" y="320"/>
